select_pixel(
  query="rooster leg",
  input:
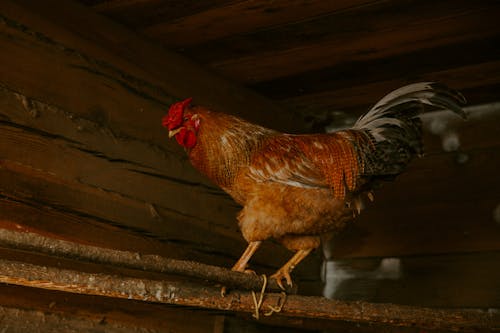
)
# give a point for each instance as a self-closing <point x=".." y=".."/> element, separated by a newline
<point x="284" y="272"/>
<point x="241" y="264"/>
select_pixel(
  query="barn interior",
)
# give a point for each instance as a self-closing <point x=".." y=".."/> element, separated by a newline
<point x="96" y="202"/>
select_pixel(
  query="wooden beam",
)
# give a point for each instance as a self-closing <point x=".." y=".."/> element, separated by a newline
<point x="132" y="260"/>
<point x="194" y="295"/>
<point x="46" y="309"/>
<point x="140" y="14"/>
<point x="23" y="320"/>
<point x="239" y="18"/>
<point x="379" y="39"/>
<point x="98" y="46"/>
<point x="27" y="309"/>
<point x="408" y="67"/>
<point x="357" y="99"/>
<point x="98" y="189"/>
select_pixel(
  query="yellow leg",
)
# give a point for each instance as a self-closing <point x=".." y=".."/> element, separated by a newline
<point x="241" y="264"/>
<point x="284" y="272"/>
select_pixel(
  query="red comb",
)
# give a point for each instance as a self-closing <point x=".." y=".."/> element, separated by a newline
<point x="184" y="104"/>
<point x="175" y="112"/>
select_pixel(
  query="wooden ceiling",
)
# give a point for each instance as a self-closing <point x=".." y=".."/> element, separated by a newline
<point x="328" y="60"/>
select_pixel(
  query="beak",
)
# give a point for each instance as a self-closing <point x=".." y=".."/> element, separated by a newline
<point x="174" y="132"/>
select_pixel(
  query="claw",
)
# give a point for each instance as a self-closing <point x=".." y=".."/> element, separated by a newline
<point x="278" y="281"/>
<point x="286" y="269"/>
<point x="281" y="274"/>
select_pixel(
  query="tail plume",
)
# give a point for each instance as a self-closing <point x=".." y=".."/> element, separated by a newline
<point x="394" y="125"/>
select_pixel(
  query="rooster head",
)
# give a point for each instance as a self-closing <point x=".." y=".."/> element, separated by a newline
<point x="182" y="123"/>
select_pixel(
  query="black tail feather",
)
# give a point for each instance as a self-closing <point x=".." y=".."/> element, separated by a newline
<point x="395" y="127"/>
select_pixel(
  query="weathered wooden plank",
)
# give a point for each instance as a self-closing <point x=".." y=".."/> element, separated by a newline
<point x="107" y="116"/>
<point x="38" y="189"/>
<point x="69" y="164"/>
<point x="22" y="320"/>
<point x="137" y="14"/>
<point x="189" y="294"/>
<point x="155" y="264"/>
<point x="355" y="100"/>
<point x="464" y="280"/>
<point x="373" y="17"/>
<point x="410" y="67"/>
<point x="160" y="317"/>
<point x="37" y="310"/>
<point x="50" y="222"/>
<point x="74" y="31"/>
<point x="362" y="45"/>
<point x="241" y="17"/>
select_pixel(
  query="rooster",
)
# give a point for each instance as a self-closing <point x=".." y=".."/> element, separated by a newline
<point x="299" y="189"/>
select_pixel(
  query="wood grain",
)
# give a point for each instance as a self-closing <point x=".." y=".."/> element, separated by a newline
<point x="409" y="67"/>
<point x="123" y="56"/>
<point x="241" y="17"/>
<point x="362" y="46"/>
<point x="147" y="263"/>
<point x="353" y="101"/>
<point x="39" y="310"/>
<point x="187" y="294"/>
<point x="139" y="14"/>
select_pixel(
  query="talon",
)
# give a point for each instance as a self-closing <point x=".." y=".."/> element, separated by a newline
<point x="280" y="284"/>
<point x="280" y="275"/>
<point x="286" y="269"/>
<point x="289" y="280"/>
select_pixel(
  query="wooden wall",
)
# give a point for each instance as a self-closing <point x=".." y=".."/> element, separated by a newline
<point x="83" y="154"/>
<point x="83" y="157"/>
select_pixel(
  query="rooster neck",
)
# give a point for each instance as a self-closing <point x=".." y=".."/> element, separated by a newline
<point x="224" y="145"/>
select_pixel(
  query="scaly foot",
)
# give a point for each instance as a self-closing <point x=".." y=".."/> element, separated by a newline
<point x="283" y="274"/>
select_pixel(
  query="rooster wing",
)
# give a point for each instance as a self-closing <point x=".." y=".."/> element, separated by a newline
<point x="323" y="161"/>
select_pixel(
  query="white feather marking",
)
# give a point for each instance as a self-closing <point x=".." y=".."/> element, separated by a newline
<point x="223" y="140"/>
<point x="294" y="183"/>
<point x="318" y="145"/>
<point x="411" y="88"/>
